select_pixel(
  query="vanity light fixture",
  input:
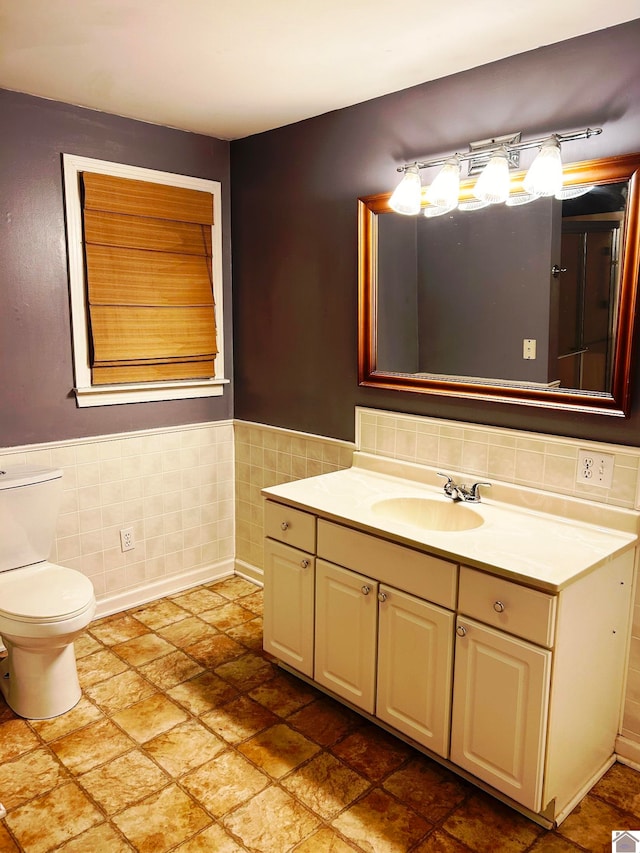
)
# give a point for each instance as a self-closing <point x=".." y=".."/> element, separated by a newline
<point x="544" y="177"/>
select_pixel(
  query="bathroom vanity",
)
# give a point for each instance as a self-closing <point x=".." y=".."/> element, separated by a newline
<point x="492" y="636"/>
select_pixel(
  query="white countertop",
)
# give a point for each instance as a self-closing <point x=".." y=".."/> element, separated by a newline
<point x="545" y="550"/>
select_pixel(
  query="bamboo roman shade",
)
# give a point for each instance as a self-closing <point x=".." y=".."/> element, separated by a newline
<point x="149" y="280"/>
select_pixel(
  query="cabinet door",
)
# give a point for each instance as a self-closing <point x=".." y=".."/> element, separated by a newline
<point x="415" y="658"/>
<point x="288" y="605"/>
<point x="500" y="702"/>
<point x="346" y="628"/>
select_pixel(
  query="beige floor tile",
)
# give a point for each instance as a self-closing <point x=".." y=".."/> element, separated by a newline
<point x="254" y="602"/>
<point x="124" y="781"/>
<point x="185" y="747"/>
<point x="247" y="671"/>
<point x="120" y="691"/>
<point x="590" y="824"/>
<point x="170" y="670"/>
<point x="429" y="789"/>
<point x="117" y="631"/>
<point x="7" y="844"/>
<point x="99" y="839"/>
<point x="202" y="693"/>
<point x="234" y="588"/>
<point x="249" y="634"/>
<point x="211" y="839"/>
<point x="239" y="719"/>
<point x="326" y="840"/>
<point x="254" y="822"/>
<point x="621" y="788"/>
<point x="325" y="785"/>
<point x="149" y="718"/>
<point x="82" y="715"/>
<point x="215" y="650"/>
<point x="48" y="821"/>
<point x="378" y="822"/>
<point x="229" y="615"/>
<point x="143" y="649"/>
<point x="29" y="775"/>
<point x="278" y="750"/>
<point x="98" y="667"/>
<point x="87" y="748"/>
<point x="16" y="737"/>
<point x="159" y="614"/>
<point x="372" y="752"/>
<point x="440" y="842"/>
<point x="187" y="632"/>
<point x="198" y="600"/>
<point x="283" y="694"/>
<point x="487" y="826"/>
<point x="161" y="821"/>
<point x="549" y="842"/>
<point x="85" y="645"/>
<point x="224" y="783"/>
<point x="324" y="721"/>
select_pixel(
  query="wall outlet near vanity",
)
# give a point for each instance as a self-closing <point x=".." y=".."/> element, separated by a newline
<point x="596" y="469"/>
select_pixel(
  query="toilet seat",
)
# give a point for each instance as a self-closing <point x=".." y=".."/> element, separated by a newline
<point x="44" y="592"/>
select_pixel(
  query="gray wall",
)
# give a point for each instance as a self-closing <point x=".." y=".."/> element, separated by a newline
<point x="295" y="225"/>
<point x="37" y="403"/>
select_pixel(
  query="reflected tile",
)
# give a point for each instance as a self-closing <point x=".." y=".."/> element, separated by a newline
<point x="233" y="588"/>
<point x="161" y="821"/>
<point x="16" y="737"/>
<point x="325" y="785"/>
<point x="29" y="775"/>
<point x="118" y="630"/>
<point x="203" y="693"/>
<point x="187" y="632"/>
<point x="246" y="672"/>
<point x="216" y="650"/>
<point x="184" y="748"/>
<point x="160" y="613"/>
<point x="99" y="839"/>
<point x="120" y="691"/>
<point x="85" y="749"/>
<point x="143" y="649"/>
<point x="324" y="721"/>
<point x="81" y="715"/>
<point x="239" y="719"/>
<point x="428" y="788"/>
<point x="68" y="813"/>
<point x="278" y="750"/>
<point x="378" y="822"/>
<point x="487" y="826"/>
<point x="227" y="616"/>
<point x="213" y="838"/>
<point x="149" y="718"/>
<point x="324" y="841"/>
<point x="170" y="670"/>
<point x="98" y="667"/>
<point x="590" y="824"/>
<point x="224" y="783"/>
<point x="372" y="752"/>
<point x="254" y="822"/>
<point x="198" y="600"/>
<point x="284" y="694"/>
<point x="122" y="782"/>
<point x="621" y="788"/>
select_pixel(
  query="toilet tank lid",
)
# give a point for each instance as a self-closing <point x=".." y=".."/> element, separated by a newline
<point x="25" y="475"/>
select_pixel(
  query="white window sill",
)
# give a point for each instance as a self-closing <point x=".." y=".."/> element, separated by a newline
<point x="148" y="392"/>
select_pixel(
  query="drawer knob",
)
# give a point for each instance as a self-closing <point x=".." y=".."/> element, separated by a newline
<point x="461" y="631"/>
<point x="498" y="606"/>
<point x="284" y="525"/>
<point x="304" y="564"/>
<point x="365" y="590"/>
<point x="382" y="596"/>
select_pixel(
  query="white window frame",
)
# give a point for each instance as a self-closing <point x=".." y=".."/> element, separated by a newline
<point x="139" y="392"/>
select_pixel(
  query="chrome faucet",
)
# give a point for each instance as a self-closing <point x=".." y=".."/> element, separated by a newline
<point x="461" y="492"/>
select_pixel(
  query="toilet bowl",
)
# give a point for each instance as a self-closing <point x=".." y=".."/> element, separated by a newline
<point x="43" y="606"/>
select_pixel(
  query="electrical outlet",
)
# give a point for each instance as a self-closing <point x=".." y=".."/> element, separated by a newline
<point x="127" y="540"/>
<point x="529" y="348"/>
<point x="596" y="469"/>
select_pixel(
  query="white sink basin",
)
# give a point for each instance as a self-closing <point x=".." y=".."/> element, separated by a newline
<point x="429" y="514"/>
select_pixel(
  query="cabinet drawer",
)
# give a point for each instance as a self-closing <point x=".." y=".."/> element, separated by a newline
<point x="506" y="605"/>
<point x="292" y="526"/>
<point x="411" y="571"/>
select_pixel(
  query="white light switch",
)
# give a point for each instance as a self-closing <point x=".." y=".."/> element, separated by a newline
<point x="529" y="348"/>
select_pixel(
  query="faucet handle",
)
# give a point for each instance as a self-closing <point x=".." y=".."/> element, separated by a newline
<point x="474" y="491"/>
<point x="451" y="488"/>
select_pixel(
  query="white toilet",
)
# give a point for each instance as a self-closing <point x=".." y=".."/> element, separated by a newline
<point x="43" y="607"/>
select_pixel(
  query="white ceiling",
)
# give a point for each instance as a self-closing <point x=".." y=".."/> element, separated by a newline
<point x="230" y="68"/>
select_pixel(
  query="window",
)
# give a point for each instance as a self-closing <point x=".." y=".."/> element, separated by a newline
<point x="145" y="262"/>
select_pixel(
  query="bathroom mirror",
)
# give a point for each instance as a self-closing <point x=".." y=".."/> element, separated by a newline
<point x="532" y="304"/>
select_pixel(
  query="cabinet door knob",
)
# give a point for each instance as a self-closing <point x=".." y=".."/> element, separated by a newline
<point x="304" y="564"/>
<point x="365" y="590"/>
<point x="461" y="631"/>
<point x="498" y="606"/>
<point x="382" y="596"/>
<point x="284" y="525"/>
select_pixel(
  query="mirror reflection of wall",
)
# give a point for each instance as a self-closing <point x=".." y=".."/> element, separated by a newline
<point x="458" y="295"/>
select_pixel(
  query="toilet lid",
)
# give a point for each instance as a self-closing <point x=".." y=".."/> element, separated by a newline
<point x="44" y="592"/>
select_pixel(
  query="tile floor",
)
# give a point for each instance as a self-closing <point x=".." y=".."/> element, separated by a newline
<point x="188" y="738"/>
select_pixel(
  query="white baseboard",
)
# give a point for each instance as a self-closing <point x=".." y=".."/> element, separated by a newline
<point x="628" y="752"/>
<point x="249" y="572"/>
<point x="108" y="604"/>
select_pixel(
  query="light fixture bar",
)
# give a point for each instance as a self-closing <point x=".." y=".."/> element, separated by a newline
<point x="517" y="146"/>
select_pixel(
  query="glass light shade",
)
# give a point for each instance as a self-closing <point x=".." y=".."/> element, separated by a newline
<point x="520" y="198"/>
<point x="444" y="190"/>
<point x="493" y="184"/>
<point x="473" y="205"/>
<point x="407" y="195"/>
<point x="573" y="192"/>
<point x="438" y="210"/>
<point x="545" y="173"/>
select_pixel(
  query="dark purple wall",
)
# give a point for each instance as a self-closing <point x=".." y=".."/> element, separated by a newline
<point x="295" y="227"/>
<point x="37" y="403"/>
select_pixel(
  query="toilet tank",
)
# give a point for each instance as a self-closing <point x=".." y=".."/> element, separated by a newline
<point x="29" y="506"/>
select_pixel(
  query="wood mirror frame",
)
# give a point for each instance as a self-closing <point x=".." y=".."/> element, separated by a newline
<point x="617" y="403"/>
